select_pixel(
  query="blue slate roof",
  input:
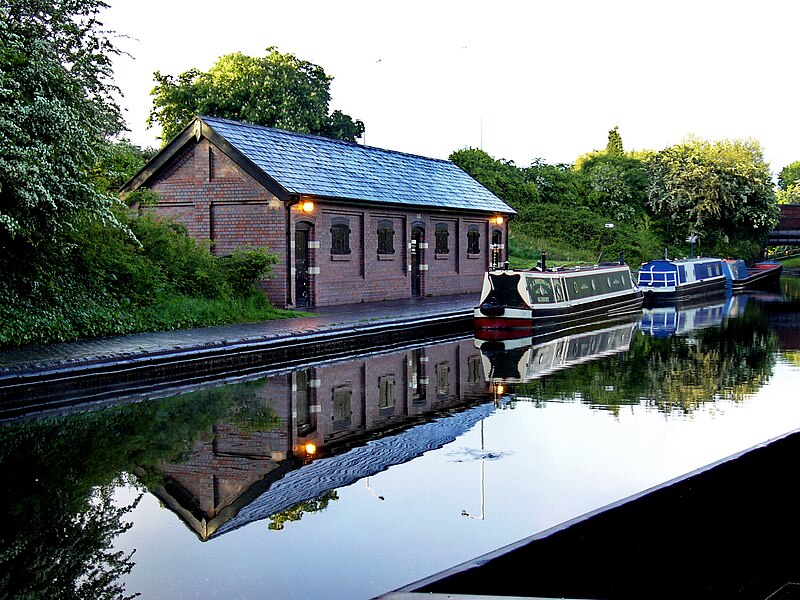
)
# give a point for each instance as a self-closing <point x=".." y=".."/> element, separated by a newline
<point x="317" y="166"/>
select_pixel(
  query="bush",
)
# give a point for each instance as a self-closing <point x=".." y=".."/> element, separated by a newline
<point x="577" y="234"/>
<point x="109" y="281"/>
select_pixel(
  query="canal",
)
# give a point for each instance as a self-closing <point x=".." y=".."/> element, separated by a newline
<point x="353" y="477"/>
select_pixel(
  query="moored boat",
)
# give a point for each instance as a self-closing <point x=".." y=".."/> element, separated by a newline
<point x="517" y="301"/>
<point x="760" y="276"/>
<point x="674" y="280"/>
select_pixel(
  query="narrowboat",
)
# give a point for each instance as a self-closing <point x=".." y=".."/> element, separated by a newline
<point x="761" y="276"/>
<point x="514" y="302"/>
<point x="675" y="280"/>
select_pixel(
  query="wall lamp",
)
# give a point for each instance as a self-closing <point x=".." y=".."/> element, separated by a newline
<point x="499" y="219"/>
<point x="307" y="206"/>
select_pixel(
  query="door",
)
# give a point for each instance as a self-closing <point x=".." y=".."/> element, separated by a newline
<point x="302" y="285"/>
<point x="417" y="258"/>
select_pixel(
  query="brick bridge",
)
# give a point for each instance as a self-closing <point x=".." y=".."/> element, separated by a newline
<point x="787" y="232"/>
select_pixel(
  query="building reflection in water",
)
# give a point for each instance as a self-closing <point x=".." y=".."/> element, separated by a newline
<point x="338" y="423"/>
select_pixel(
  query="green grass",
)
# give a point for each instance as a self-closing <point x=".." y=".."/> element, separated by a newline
<point x="791" y="263"/>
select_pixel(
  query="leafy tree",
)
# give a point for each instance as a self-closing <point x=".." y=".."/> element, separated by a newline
<point x="502" y="177"/>
<point x="614" y="146"/>
<point x="616" y="186"/>
<point x="557" y="184"/>
<point x="721" y="191"/>
<point x="277" y="90"/>
<point x="56" y="111"/>
<point x="789" y="175"/>
<point x="789" y="184"/>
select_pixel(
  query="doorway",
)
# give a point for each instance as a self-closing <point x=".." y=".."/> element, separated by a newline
<point x="302" y="259"/>
<point x="417" y="259"/>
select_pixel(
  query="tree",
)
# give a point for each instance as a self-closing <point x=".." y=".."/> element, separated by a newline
<point x="56" y="111"/>
<point x="277" y="90"/>
<point x="789" y="184"/>
<point x="721" y="191"/>
<point x="616" y="186"/>
<point x="614" y="146"/>
<point x="502" y="177"/>
<point x="789" y="175"/>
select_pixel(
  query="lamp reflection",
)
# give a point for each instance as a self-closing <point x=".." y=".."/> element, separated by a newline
<point x="371" y="491"/>
<point x="482" y="514"/>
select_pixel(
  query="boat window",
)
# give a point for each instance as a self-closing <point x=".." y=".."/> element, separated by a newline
<point x="559" y="290"/>
<point x="540" y="290"/>
<point x="583" y="286"/>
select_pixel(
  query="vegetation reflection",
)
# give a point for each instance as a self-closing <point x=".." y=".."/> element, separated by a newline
<point x="673" y="374"/>
<point x="60" y="475"/>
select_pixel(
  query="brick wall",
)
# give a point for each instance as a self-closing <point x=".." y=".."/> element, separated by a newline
<point x="363" y="275"/>
<point x="217" y="201"/>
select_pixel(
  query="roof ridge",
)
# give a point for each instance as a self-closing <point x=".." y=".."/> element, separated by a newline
<point x="322" y="138"/>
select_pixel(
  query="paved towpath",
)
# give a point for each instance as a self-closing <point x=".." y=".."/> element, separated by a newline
<point x="348" y="317"/>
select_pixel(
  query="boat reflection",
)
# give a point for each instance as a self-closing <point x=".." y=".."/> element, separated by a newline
<point x="526" y="359"/>
<point x="678" y="319"/>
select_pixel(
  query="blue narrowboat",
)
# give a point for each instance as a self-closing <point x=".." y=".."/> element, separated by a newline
<point x="675" y="280"/>
<point x="761" y="276"/>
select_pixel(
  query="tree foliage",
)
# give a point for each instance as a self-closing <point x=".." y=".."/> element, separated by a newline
<point x="721" y="191"/>
<point x="614" y="145"/>
<point x="789" y="175"/>
<point x="616" y="186"/>
<point x="277" y="90"/>
<point x="501" y="177"/>
<point x="56" y="111"/>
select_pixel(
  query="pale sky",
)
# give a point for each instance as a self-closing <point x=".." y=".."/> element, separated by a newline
<point x="522" y="80"/>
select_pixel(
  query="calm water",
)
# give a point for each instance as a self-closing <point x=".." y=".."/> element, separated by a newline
<point x="352" y="478"/>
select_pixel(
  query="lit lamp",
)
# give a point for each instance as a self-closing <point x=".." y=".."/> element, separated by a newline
<point x="307" y="206"/>
<point x="311" y="449"/>
<point x="498" y="219"/>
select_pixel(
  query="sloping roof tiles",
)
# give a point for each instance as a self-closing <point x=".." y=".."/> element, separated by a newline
<point x="310" y="165"/>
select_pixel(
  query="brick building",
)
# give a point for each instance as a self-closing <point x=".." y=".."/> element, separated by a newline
<point x="349" y="223"/>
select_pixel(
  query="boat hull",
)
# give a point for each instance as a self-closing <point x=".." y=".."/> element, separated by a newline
<point x="515" y="322"/>
<point x="762" y="277"/>
<point x="683" y="292"/>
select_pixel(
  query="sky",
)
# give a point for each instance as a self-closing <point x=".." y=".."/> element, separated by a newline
<point x="522" y="80"/>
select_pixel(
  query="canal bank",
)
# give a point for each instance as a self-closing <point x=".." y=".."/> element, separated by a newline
<point x="41" y="379"/>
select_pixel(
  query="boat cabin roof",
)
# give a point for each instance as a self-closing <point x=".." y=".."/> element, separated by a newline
<point x="671" y="265"/>
<point x="560" y="271"/>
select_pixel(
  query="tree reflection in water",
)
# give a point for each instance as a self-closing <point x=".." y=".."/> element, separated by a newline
<point x="59" y="476"/>
<point x="677" y="373"/>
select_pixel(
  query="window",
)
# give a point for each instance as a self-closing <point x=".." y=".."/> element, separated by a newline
<point x="442" y="379"/>
<point x="341" y="397"/>
<point x="442" y="236"/>
<point x="386" y="392"/>
<point x="473" y="240"/>
<point x="340" y="237"/>
<point x="474" y="371"/>
<point x="385" y="237"/>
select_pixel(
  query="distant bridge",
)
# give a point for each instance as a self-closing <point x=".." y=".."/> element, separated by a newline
<point x="787" y="232"/>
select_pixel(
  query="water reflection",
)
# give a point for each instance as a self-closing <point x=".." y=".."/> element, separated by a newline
<point x="667" y="320"/>
<point x="683" y="356"/>
<point x="282" y="448"/>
